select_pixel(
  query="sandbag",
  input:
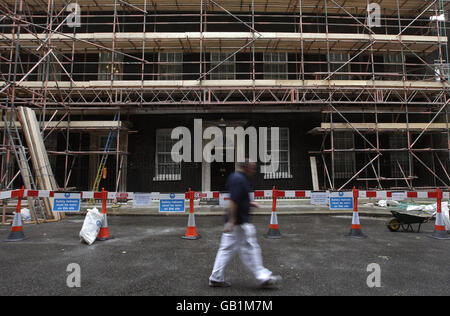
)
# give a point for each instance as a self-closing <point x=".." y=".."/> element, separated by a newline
<point x="26" y="215"/>
<point x="387" y="203"/>
<point x="445" y="214"/>
<point x="91" y="226"/>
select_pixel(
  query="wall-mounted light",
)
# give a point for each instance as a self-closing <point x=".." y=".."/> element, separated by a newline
<point x="222" y="123"/>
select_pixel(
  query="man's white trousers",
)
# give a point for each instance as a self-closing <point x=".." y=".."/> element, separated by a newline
<point x="241" y="239"/>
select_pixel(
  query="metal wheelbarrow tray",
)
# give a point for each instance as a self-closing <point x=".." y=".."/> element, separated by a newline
<point x="405" y="219"/>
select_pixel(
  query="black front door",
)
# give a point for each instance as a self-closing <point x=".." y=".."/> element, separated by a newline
<point x="219" y="174"/>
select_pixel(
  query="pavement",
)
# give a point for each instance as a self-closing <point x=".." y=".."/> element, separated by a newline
<point x="148" y="257"/>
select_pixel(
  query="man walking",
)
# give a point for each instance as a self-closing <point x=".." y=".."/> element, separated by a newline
<point x="239" y="235"/>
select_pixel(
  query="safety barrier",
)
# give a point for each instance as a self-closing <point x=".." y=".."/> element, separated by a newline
<point x="258" y="194"/>
<point x="355" y="231"/>
<point x="191" y="233"/>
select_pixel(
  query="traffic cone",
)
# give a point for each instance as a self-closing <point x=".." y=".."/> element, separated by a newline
<point x="16" y="233"/>
<point x="191" y="232"/>
<point x="103" y="234"/>
<point x="274" y="230"/>
<point x="439" y="227"/>
<point x="355" y="231"/>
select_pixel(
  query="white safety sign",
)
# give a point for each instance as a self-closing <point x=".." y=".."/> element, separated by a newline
<point x="319" y="198"/>
<point x="341" y="201"/>
<point x="66" y="202"/>
<point x="172" y="202"/>
<point x="142" y="199"/>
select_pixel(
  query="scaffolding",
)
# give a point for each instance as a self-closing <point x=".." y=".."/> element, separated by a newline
<point x="210" y="56"/>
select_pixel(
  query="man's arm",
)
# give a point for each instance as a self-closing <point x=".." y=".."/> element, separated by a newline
<point x="232" y="217"/>
<point x="254" y="204"/>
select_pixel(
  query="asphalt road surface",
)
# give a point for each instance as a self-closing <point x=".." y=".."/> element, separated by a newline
<point x="148" y="257"/>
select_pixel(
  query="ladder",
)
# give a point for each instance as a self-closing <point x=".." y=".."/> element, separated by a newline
<point x="102" y="165"/>
<point x="22" y="161"/>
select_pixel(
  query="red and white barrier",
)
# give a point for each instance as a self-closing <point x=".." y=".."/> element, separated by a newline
<point x="262" y="194"/>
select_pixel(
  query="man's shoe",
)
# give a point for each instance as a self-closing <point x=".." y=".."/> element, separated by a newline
<point x="273" y="281"/>
<point x="219" y="284"/>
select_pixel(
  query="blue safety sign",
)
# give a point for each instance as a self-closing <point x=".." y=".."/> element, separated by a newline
<point x="66" y="202"/>
<point x="172" y="202"/>
<point x="341" y="201"/>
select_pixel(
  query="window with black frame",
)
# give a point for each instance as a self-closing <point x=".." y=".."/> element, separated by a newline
<point x="399" y="157"/>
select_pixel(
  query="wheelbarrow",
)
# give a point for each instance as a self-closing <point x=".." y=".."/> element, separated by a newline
<point x="406" y="219"/>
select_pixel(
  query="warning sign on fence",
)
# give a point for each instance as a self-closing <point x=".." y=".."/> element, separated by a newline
<point x="341" y="201"/>
<point x="142" y="199"/>
<point x="66" y="202"/>
<point x="398" y="196"/>
<point x="319" y="198"/>
<point x="171" y="202"/>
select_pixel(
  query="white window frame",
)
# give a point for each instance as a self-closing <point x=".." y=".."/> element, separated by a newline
<point x="338" y="60"/>
<point x="393" y="62"/>
<point x="173" y="62"/>
<point x="104" y="64"/>
<point x="441" y="70"/>
<point x="218" y="73"/>
<point x="165" y="132"/>
<point x="273" y="65"/>
<point x="280" y="174"/>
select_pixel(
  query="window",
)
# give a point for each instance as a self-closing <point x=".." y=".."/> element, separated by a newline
<point x="337" y="62"/>
<point x="284" y="169"/>
<point x="165" y="168"/>
<point x="393" y="63"/>
<point x="275" y="66"/>
<point x="226" y="70"/>
<point x="105" y="63"/>
<point x="170" y="66"/>
<point x="344" y="162"/>
<point x="399" y="159"/>
<point x="441" y="70"/>
<point x="54" y="68"/>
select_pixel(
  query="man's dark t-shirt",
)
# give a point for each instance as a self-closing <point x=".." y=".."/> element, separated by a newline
<point x="239" y="188"/>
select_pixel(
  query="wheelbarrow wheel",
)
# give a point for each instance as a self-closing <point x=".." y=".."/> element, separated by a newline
<point x="394" y="225"/>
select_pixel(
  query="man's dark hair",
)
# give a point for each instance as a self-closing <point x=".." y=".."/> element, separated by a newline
<point x="244" y="164"/>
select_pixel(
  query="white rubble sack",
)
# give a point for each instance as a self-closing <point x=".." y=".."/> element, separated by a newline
<point x="432" y="209"/>
<point x="26" y="215"/>
<point x="445" y="214"/>
<point x="91" y="226"/>
<point x="384" y="203"/>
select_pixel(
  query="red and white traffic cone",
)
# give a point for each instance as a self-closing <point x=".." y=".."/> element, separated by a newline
<point x="355" y="231"/>
<point x="16" y="233"/>
<point x="191" y="232"/>
<point x="103" y="234"/>
<point x="439" y="228"/>
<point x="274" y="229"/>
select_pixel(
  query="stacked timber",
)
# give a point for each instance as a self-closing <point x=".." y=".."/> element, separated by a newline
<point x="39" y="157"/>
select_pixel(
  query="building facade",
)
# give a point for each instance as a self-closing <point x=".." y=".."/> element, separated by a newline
<point x="359" y="90"/>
